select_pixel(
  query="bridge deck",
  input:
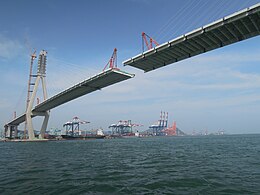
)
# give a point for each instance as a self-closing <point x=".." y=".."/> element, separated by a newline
<point x="228" y="30"/>
<point x="97" y="82"/>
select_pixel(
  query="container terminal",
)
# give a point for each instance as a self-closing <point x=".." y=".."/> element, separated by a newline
<point x="72" y="130"/>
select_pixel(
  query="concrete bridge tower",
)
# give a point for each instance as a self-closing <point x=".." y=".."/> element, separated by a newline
<point x="40" y="77"/>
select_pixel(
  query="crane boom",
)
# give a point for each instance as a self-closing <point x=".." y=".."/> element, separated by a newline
<point x="149" y="44"/>
<point x="112" y="63"/>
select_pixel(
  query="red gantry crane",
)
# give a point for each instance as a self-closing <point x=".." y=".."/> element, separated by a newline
<point x="112" y="63"/>
<point x="152" y="43"/>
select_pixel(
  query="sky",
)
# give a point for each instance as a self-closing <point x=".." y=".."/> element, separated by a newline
<point x="218" y="90"/>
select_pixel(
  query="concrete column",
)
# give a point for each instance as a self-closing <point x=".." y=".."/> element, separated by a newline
<point x="8" y="132"/>
<point x="44" y="125"/>
<point x="29" y="110"/>
<point x="16" y="131"/>
<point x="47" y="114"/>
<point x="5" y="131"/>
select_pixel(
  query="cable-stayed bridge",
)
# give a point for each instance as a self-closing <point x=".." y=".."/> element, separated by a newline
<point x="105" y="78"/>
<point x="225" y="31"/>
<point x="239" y="26"/>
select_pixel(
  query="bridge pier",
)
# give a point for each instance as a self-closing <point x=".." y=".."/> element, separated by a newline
<point x="30" y="124"/>
<point x="11" y="131"/>
<point x="44" y="124"/>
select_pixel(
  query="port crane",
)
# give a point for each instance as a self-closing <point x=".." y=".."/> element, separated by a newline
<point x="72" y="127"/>
<point x="123" y="127"/>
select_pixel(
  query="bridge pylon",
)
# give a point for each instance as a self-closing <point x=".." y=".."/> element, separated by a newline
<point x="40" y="77"/>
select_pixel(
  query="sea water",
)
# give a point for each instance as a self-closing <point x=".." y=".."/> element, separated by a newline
<point x="228" y="164"/>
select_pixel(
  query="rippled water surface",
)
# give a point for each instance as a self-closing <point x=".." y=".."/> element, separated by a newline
<point x="158" y="165"/>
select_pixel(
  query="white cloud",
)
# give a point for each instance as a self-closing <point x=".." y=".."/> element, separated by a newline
<point x="62" y="74"/>
<point x="164" y="84"/>
<point x="9" y="48"/>
<point x="4" y="103"/>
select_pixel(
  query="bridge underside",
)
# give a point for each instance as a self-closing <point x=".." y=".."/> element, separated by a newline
<point x="228" y="30"/>
<point x="97" y="82"/>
